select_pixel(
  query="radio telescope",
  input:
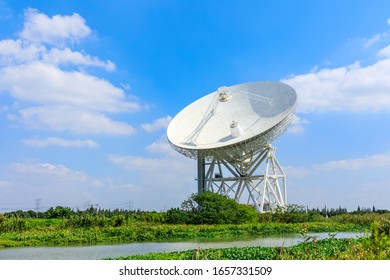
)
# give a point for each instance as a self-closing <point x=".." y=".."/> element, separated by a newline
<point x="229" y="132"/>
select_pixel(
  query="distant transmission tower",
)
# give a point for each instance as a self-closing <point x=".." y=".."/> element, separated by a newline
<point x="37" y="205"/>
<point x="87" y="204"/>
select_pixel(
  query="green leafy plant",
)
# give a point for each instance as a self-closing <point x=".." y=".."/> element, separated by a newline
<point x="212" y="208"/>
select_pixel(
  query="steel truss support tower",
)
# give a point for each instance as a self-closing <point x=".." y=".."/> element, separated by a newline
<point x="258" y="180"/>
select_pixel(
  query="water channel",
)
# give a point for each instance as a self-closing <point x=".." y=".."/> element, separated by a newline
<point x="112" y="251"/>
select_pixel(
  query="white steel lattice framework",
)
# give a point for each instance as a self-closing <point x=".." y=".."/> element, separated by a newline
<point x="258" y="181"/>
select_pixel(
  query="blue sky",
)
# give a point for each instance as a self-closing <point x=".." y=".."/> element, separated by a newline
<point x="87" y="89"/>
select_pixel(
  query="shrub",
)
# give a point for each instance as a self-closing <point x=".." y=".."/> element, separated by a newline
<point x="176" y="216"/>
<point x="9" y="224"/>
<point x="119" y="220"/>
<point x="381" y="227"/>
<point x="58" y="212"/>
<point x="87" y="220"/>
<point x="212" y="208"/>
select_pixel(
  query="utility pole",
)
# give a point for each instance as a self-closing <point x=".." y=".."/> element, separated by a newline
<point x="130" y="204"/>
<point x="37" y="205"/>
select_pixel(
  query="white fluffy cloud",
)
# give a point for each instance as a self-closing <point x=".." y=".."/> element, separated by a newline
<point x="74" y="120"/>
<point x="32" y="71"/>
<point x="157" y="168"/>
<point x="376" y="38"/>
<point x="385" y="52"/>
<point x="47" y="168"/>
<point x="164" y="168"/>
<point x="353" y="88"/>
<point x="375" y="161"/>
<point x="157" y="124"/>
<point x="298" y="125"/>
<point x="67" y="56"/>
<point x="368" y="162"/>
<point x="40" y="28"/>
<point x="14" y="52"/>
<point x="45" y="84"/>
<point x="60" y="142"/>
<point x="162" y="147"/>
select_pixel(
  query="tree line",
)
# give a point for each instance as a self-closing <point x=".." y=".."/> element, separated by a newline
<point x="197" y="209"/>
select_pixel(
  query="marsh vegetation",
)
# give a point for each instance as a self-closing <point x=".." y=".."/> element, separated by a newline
<point x="201" y="216"/>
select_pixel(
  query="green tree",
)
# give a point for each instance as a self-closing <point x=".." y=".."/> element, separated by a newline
<point x="212" y="208"/>
<point x="177" y="216"/>
<point x="58" y="212"/>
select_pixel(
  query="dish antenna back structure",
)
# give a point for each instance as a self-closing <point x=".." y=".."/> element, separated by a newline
<point x="230" y="132"/>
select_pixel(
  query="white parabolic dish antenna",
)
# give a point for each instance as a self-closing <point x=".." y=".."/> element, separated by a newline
<point x="230" y="131"/>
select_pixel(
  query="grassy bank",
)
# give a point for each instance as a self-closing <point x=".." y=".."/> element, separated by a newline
<point x="375" y="246"/>
<point x="55" y="233"/>
<point x="326" y="249"/>
<point x="100" y="228"/>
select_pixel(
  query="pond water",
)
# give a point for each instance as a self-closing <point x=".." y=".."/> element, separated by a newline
<point x="112" y="251"/>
